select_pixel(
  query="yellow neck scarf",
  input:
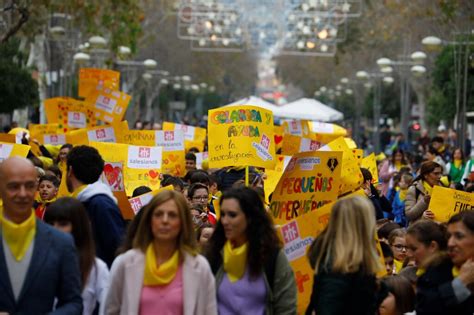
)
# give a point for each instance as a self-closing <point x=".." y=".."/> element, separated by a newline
<point x="398" y="265"/>
<point x="398" y="165"/>
<point x="457" y="163"/>
<point x="19" y="236"/>
<point x="78" y="191"/>
<point x="403" y="194"/>
<point x="427" y="187"/>
<point x="235" y="261"/>
<point x="163" y="274"/>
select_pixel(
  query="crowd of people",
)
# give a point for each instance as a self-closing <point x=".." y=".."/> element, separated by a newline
<point x="76" y="254"/>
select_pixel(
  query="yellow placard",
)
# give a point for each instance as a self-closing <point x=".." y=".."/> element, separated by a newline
<point x="191" y="133"/>
<point x="310" y="180"/>
<point x="136" y="137"/>
<point x="69" y="114"/>
<point x="139" y="202"/>
<point x="278" y="135"/>
<point x="295" y="144"/>
<point x="351" y="176"/>
<point x="13" y="149"/>
<point x="272" y="177"/>
<point x="105" y="133"/>
<point x="446" y="202"/>
<point x="6" y="137"/>
<point x="194" y="144"/>
<point x="369" y="163"/>
<point x="108" y="105"/>
<point x="37" y="131"/>
<point x="296" y="127"/>
<point x="119" y="161"/>
<point x="241" y="136"/>
<point x="90" y="78"/>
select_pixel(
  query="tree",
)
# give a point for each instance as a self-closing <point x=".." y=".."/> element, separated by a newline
<point x="17" y="88"/>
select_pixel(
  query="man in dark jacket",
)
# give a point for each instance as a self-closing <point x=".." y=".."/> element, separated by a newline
<point x="84" y="167"/>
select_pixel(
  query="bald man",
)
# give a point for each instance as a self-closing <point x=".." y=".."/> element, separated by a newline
<point x="38" y="264"/>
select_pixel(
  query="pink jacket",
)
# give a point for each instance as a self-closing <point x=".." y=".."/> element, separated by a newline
<point x="126" y="282"/>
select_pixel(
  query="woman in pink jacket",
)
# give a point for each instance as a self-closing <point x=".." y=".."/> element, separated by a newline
<point x="162" y="274"/>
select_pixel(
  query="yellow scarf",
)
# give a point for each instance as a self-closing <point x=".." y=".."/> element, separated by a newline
<point x="19" y="236"/>
<point x="398" y="265"/>
<point x="403" y="194"/>
<point x="427" y="187"/>
<point x="457" y="163"/>
<point x="163" y="274"/>
<point x="78" y="191"/>
<point x="235" y="261"/>
<point x="398" y="165"/>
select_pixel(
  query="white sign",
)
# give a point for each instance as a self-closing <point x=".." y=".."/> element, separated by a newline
<point x="294" y="127"/>
<point x="54" y="139"/>
<point x="102" y="135"/>
<point x="171" y="140"/>
<point x="200" y="156"/>
<point x="138" y="202"/>
<point x="320" y="127"/>
<point x="307" y="145"/>
<point x="106" y="103"/>
<point x="144" y="157"/>
<point x="189" y="131"/>
<point x="76" y="120"/>
<point x="5" y="151"/>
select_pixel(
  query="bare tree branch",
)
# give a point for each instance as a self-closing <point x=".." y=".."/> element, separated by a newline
<point x="24" y="16"/>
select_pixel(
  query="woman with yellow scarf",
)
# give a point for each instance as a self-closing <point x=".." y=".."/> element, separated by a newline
<point x="162" y="273"/>
<point x="446" y="281"/>
<point x="456" y="168"/>
<point x="253" y="275"/>
<point x="419" y="194"/>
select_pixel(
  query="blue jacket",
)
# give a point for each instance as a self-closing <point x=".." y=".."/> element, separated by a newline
<point x="398" y="207"/>
<point x="108" y="226"/>
<point x="53" y="273"/>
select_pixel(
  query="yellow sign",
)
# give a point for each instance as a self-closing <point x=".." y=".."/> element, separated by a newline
<point x="136" y="137"/>
<point x="351" y="176"/>
<point x="241" y="136"/>
<point x="109" y="105"/>
<point x="137" y="203"/>
<point x="278" y="135"/>
<point x="272" y="177"/>
<point x="296" y="127"/>
<point x="12" y="149"/>
<point x="310" y="180"/>
<point x="369" y="163"/>
<point x="37" y="131"/>
<point x="90" y="78"/>
<point x="105" y="133"/>
<point x="191" y="133"/>
<point x="69" y="114"/>
<point x="128" y="166"/>
<point x="447" y="202"/>
<point x="295" y="144"/>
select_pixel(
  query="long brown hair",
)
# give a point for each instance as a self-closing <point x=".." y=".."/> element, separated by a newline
<point x="71" y="210"/>
<point x="186" y="238"/>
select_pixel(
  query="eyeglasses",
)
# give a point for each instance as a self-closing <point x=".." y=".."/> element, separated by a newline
<point x="400" y="247"/>
<point x="200" y="198"/>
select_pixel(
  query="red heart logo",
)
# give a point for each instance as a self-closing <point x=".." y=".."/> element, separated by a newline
<point x="278" y="139"/>
<point x="280" y="158"/>
<point x="153" y="174"/>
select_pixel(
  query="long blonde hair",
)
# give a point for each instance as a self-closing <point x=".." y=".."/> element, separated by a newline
<point x="186" y="238"/>
<point x="348" y="243"/>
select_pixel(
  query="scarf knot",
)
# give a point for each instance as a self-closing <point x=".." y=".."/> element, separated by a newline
<point x="235" y="261"/>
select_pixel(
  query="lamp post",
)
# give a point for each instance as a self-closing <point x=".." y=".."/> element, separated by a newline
<point x="462" y="51"/>
<point x="414" y="64"/>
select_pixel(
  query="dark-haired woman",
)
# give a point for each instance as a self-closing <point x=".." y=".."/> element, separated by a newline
<point x="253" y="275"/>
<point x="446" y="282"/>
<point x="401" y="296"/>
<point x="419" y="194"/>
<point x="69" y="215"/>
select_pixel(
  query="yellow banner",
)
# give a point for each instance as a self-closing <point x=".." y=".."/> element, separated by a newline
<point x="90" y="78"/>
<point x="278" y="135"/>
<point x="139" y="165"/>
<point x="12" y="149"/>
<point x="369" y="163"/>
<point x="191" y="133"/>
<point x="37" y="131"/>
<point x="296" y="144"/>
<point x="446" y="202"/>
<point x="296" y="127"/>
<point x="105" y="133"/>
<point x="351" y="176"/>
<point x="310" y="180"/>
<point x="109" y="105"/>
<point x="241" y="136"/>
<point x="69" y="114"/>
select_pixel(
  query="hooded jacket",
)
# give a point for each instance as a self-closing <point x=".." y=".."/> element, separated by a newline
<point x="108" y="225"/>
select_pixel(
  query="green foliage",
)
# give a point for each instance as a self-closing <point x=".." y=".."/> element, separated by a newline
<point x="442" y="100"/>
<point x="389" y="102"/>
<point x="17" y="88"/>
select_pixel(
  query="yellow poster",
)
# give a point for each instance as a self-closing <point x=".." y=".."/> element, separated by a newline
<point x="90" y="78"/>
<point x="105" y="133"/>
<point x="369" y="163"/>
<point x="12" y="149"/>
<point x="6" y="137"/>
<point x="296" y="144"/>
<point x="137" y="203"/>
<point x="241" y="136"/>
<point x="351" y="176"/>
<point x="278" y="135"/>
<point x="136" y="137"/>
<point x="310" y="180"/>
<point x="69" y="114"/>
<point x="296" y="127"/>
<point x="37" y="131"/>
<point x="446" y="202"/>
<point x="108" y="105"/>
<point x="272" y="177"/>
<point x="191" y="133"/>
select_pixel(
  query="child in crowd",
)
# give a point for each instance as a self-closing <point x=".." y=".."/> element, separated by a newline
<point x="47" y="192"/>
<point x="397" y="194"/>
<point x="397" y="243"/>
